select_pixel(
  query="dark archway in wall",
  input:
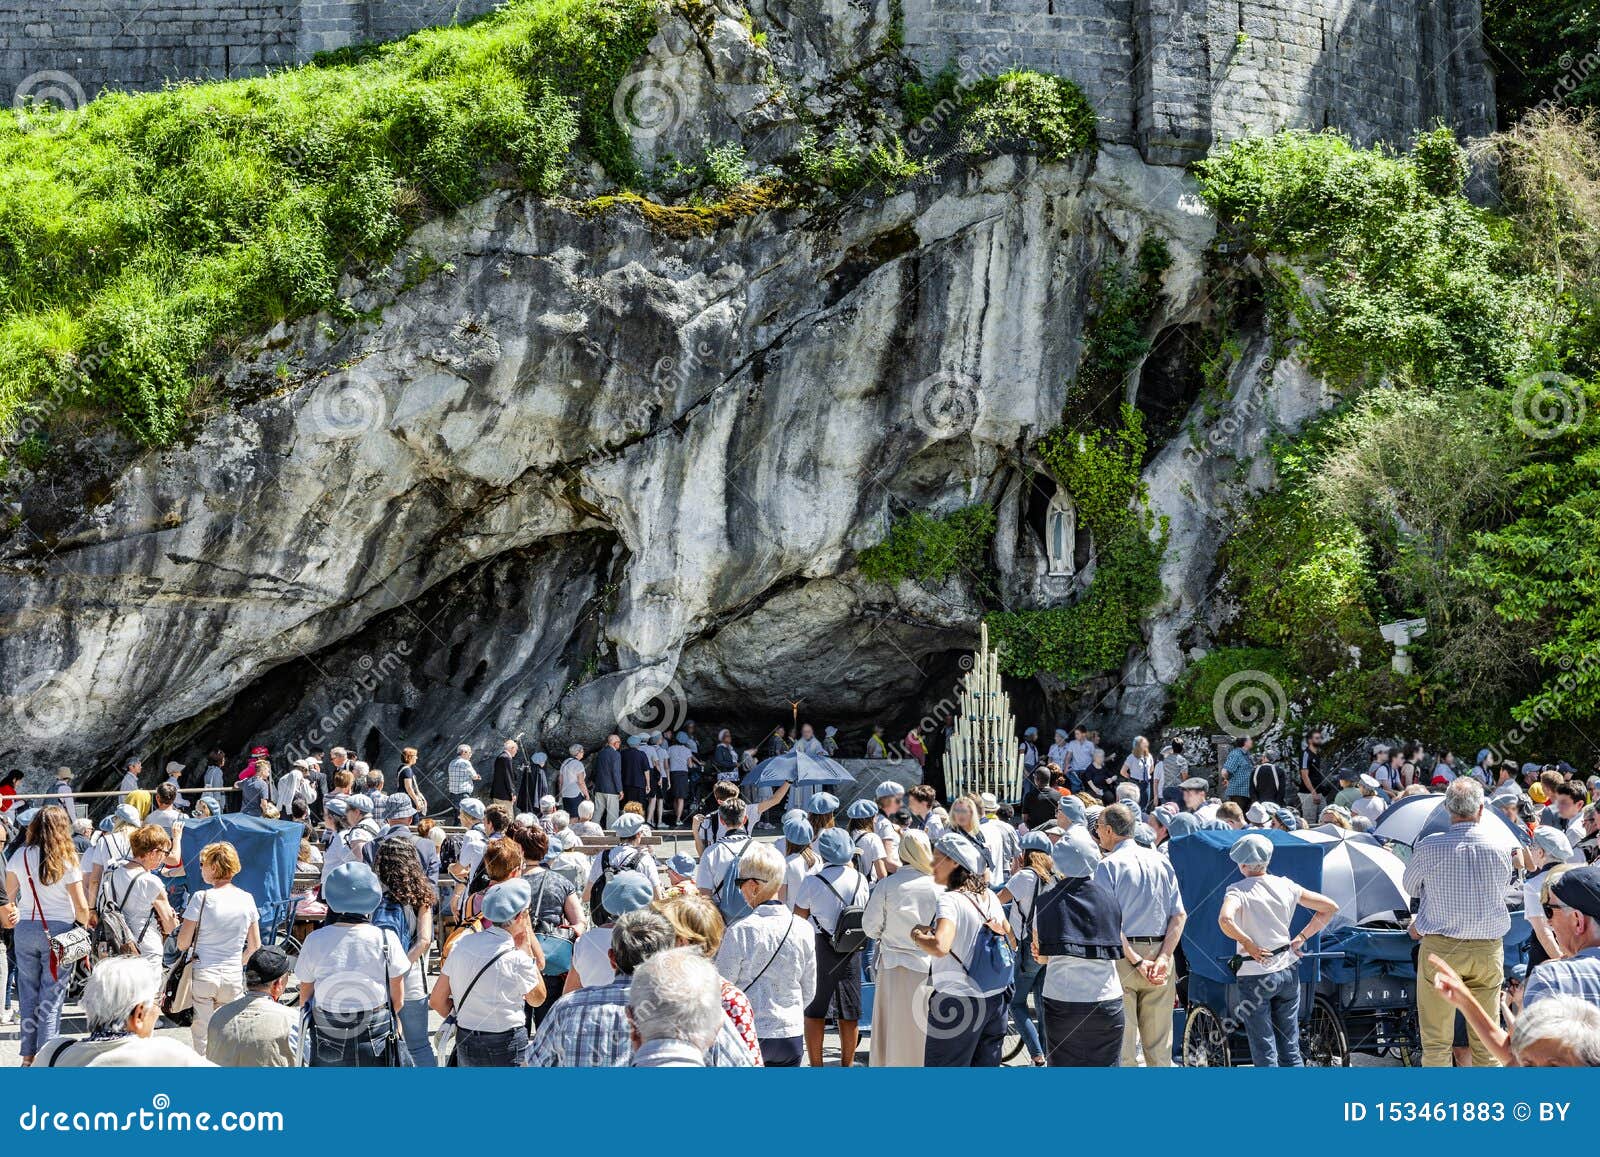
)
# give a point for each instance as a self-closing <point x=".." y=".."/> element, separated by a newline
<point x="1169" y="382"/>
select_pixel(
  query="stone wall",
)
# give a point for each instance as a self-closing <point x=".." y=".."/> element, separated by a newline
<point x="1172" y="76"/>
<point x="70" y="50"/>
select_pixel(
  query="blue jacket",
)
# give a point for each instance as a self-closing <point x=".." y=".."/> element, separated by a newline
<point x="635" y="769"/>
<point x="608" y="771"/>
<point x="1239" y="769"/>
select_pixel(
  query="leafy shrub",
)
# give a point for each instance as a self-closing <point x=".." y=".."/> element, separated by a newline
<point x="928" y="548"/>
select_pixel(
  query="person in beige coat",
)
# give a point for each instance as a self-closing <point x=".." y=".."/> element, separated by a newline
<point x="901" y="901"/>
<point x="256" y="1031"/>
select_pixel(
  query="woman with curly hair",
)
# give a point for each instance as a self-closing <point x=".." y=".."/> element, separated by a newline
<point x="44" y="898"/>
<point x="556" y="911"/>
<point x="408" y="900"/>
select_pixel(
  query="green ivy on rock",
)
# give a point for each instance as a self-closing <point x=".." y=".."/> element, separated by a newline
<point x="929" y="548"/>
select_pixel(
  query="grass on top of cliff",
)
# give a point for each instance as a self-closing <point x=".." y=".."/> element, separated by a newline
<point x="139" y="232"/>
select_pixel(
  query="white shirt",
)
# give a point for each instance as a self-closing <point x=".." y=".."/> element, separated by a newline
<point x="136" y="892"/>
<point x="289" y="787"/>
<point x="53" y="900"/>
<point x="870" y="850"/>
<point x="900" y="902"/>
<point x="817" y="894"/>
<point x="772" y="956"/>
<point x="1024" y="889"/>
<point x="571" y="777"/>
<point x="498" y="997"/>
<point x="345" y="963"/>
<point x="1001" y="839"/>
<point x="969" y="913"/>
<point x="795" y="871"/>
<point x="645" y="865"/>
<point x="1266" y="907"/>
<point x="678" y="758"/>
<point x="1080" y="981"/>
<point x="888" y="835"/>
<point x="718" y="861"/>
<point x="591" y="958"/>
<point x="1371" y="806"/>
<point x="166" y="818"/>
<point x="111" y="848"/>
<point x="225" y="915"/>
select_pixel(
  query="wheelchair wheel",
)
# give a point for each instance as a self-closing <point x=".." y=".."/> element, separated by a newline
<point x="1205" y="1040"/>
<point x="1012" y="1046"/>
<point x="1323" y="1042"/>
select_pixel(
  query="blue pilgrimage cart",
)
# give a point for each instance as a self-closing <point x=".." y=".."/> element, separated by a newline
<point x="1357" y="984"/>
<point x="268" y="851"/>
<point x="1212" y="1034"/>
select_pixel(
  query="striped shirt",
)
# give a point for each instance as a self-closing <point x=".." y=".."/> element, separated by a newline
<point x="588" y="1029"/>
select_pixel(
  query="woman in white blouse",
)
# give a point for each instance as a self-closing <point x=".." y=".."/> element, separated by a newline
<point x="223" y="925"/>
<point x="44" y="898"/>
<point x="1140" y="768"/>
<point x="900" y="902"/>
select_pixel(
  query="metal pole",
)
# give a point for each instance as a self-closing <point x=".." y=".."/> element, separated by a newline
<point x="117" y="794"/>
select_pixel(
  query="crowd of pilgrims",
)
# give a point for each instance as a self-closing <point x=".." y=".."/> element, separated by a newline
<point x="538" y="927"/>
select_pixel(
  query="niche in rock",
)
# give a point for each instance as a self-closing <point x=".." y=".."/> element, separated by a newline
<point x="1053" y="518"/>
<point x="1169" y="382"/>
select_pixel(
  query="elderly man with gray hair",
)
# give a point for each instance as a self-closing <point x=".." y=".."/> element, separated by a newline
<point x="675" y="1010"/>
<point x="1459" y="878"/>
<point x="121" y="1002"/>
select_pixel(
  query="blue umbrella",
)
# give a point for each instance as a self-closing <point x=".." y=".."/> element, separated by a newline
<point x="797" y="767"/>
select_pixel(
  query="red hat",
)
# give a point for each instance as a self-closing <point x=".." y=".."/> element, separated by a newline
<point x="1439" y="780"/>
<point x="258" y="751"/>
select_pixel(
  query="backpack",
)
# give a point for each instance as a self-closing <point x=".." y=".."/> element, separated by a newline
<point x="610" y="866"/>
<point x="392" y="915"/>
<point x="729" y="896"/>
<point x="993" y="964"/>
<point x="113" y="935"/>
<point x="849" y="933"/>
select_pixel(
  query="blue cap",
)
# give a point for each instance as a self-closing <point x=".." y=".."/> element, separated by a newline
<point x="361" y="802"/>
<point x="1026" y="731"/>
<point x="627" y="892"/>
<point x="794" y="813"/>
<point x="540" y="759"/>
<point x="635" y="740"/>
<point x="835" y="847"/>
<point x="862" y="809"/>
<point x="128" y="814"/>
<point x="1075" y="855"/>
<point x="504" y="902"/>
<point x="886" y="789"/>
<point x="1251" y="850"/>
<point x="27" y="816"/>
<point x="963" y="851"/>
<point x="352" y="888"/>
<point x="682" y="737"/>
<point x="1036" y="842"/>
<point x="628" y="825"/>
<point x="1182" y="824"/>
<point x="471" y="808"/>
<point x="336" y="807"/>
<point x="1144" y="835"/>
<point x="798" y="831"/>
<point x="1072" y="807"/>
<point x="1483" y="755"/>
<point x="400" y="807"/>
<point x="105" y="824"/>
<point x="822" y="803"/>
<point x="682" y="864"/>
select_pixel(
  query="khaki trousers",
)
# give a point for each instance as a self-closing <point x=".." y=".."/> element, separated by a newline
<point x="1147" y="1012"/>
<point x="1481" y="964"/>
<point x="211" y="991"/>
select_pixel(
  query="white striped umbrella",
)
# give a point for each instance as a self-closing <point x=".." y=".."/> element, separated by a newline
<point x="1365" y="878"/>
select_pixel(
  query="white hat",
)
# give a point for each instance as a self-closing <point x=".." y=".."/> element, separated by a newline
<point x="989" y="802"/>
<point x="1257" y="814"/>
<point x="174" y="767"/>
